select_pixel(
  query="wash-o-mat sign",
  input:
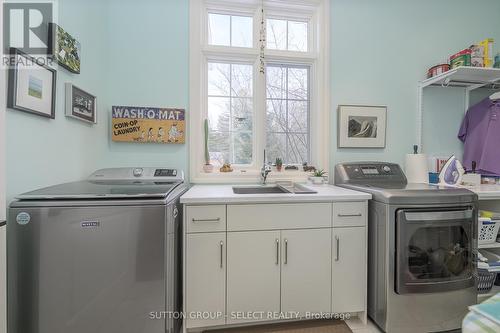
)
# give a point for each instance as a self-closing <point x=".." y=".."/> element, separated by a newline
<point x="142" y="124"/>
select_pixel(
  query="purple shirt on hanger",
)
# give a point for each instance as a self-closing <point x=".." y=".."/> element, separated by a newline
<point x="480" y="132"/>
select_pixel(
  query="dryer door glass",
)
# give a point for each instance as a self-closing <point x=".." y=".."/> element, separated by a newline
<point x="434" y="250"/>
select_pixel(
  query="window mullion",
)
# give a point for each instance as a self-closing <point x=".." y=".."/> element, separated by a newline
<point x="231" y="138"/>
<point x="287" y="152"/>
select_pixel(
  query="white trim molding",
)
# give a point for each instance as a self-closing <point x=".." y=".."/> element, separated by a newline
<point x="316" y="13"/>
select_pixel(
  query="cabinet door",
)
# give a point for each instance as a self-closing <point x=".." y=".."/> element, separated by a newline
<point x="253" y="275"/>
<point x="349" y="269"/>
<point x="205" y="279"/>
<point x="306" y="270"/>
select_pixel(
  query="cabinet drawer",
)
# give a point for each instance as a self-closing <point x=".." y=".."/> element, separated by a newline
<point x="278" y="216"/>
<point x="350" y="214"/>
<point x="206" y="218"/>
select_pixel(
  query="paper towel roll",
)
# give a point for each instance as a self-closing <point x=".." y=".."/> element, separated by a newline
<point x="417" y="169"/>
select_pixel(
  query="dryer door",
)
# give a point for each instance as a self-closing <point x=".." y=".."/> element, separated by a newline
<point x="434" y="249"/>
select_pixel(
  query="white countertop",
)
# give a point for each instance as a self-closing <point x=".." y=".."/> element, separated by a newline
<point x="223" y="194"/>
<point x="486" y="192"/>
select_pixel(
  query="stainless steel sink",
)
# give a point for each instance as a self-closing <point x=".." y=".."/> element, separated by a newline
<point x="259" y="190"/>
<point x="289" y="188"/>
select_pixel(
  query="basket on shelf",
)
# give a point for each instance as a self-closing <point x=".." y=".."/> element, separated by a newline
<point x="488" y="230"/>
<point x="485" y="280"/>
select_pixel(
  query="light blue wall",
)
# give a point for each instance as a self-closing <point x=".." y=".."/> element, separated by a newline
<point x="133" y="53"/>
<point x="42" y="152"/>
<point x="136" y="53"/>
<point x="381" y="49"/>
<point x="148" y="66"/>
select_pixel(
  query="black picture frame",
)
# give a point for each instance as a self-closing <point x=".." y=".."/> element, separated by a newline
<point x="79" y="98"/>
<point x="54" y="29"/>
<point x="12" y="101"/>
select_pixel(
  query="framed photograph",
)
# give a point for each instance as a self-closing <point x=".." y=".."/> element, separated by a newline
<point x="64" y="48"/>
<point x="80" y="104"/>
<point x="362" y="126"/>
<point x="32" y="86"/>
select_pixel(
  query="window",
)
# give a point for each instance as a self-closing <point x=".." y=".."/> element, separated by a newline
<point x="230" y="112"/>
<point x="230" y="30"/>
<point x="287" y="113"/>
<point x="287" y="35"/>
<point x="283" y="111"/>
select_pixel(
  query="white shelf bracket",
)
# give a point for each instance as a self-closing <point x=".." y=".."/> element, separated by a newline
<point x="420" y="117"/>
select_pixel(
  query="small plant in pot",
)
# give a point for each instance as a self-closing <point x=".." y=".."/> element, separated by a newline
<point x="318" y="177"/>
<point x="279" y="164"/>
<point x="207" y="168"/>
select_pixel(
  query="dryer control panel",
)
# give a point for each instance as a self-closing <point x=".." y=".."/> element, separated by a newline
<point x="367" y="172"/>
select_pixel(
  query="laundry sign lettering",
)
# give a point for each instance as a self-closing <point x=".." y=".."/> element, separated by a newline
<point x="148" y="124"/>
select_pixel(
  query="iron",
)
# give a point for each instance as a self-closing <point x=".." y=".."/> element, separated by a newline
<point x="452" y="172"/>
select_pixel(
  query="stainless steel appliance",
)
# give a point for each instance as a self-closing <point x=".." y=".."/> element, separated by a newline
<point x="421" y="249"/>
<point x="101" y="255"/>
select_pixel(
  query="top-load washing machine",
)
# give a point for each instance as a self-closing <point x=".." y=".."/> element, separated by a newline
<point x="100" y="255"/>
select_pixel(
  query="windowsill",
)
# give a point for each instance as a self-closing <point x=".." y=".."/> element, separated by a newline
<point x="248" y="176"/>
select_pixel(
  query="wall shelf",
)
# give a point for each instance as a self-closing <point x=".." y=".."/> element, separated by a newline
<point x="469" y="78"/>
<point x="466" y="77"/>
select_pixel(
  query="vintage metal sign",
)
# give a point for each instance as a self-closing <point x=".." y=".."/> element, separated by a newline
<point x="143" y="124"/>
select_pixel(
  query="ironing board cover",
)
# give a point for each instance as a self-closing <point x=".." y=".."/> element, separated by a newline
<point x="475" y="323"/>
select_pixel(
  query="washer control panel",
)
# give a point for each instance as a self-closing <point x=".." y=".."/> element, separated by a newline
<point x="136" y="174"/>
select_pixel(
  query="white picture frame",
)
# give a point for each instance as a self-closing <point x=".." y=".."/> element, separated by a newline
<point x="362" y="126"/>
<point x="76" y="99"/>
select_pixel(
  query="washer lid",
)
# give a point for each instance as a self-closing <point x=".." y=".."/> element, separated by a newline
<point x="409" y="194"/>
<point x="103" y="190"/>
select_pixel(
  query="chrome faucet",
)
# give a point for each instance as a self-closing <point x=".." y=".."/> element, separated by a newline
<point x="266" y="169"/>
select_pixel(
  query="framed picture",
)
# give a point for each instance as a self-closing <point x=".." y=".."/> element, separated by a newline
<point x="64" y="48"/>
<point x="362" y="126"/>
<point x="32" y="86"/>
<point x="80" y="104"/>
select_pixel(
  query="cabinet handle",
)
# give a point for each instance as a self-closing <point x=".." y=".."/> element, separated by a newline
<point x="337" y="256"/>
<point x="277" y="251"/>
<point x="221" y="253"/>
<point x="350" y="215"/>
<point x="206" y="220"/>
<point x="286" y="251"/>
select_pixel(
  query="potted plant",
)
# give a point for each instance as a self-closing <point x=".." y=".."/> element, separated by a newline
<point x="318" y="177"/>
<point x="279" y="164"/>
<point x="207" y="168"/>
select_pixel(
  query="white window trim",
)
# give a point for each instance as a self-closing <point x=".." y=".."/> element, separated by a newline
<point x="317" y="58"/>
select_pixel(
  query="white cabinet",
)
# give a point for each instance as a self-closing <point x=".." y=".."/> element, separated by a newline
<point x="306" y="271"/>
<point x="279" y="216"/>
<point x="245" y="262"/>
<point x="206" y="218"/>
<point x="205" y="297"/>
<point x="349" y="270"/>
<point x="253" y="275"/>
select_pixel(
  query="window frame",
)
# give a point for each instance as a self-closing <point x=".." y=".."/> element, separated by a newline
<point x="315" y="12"/>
